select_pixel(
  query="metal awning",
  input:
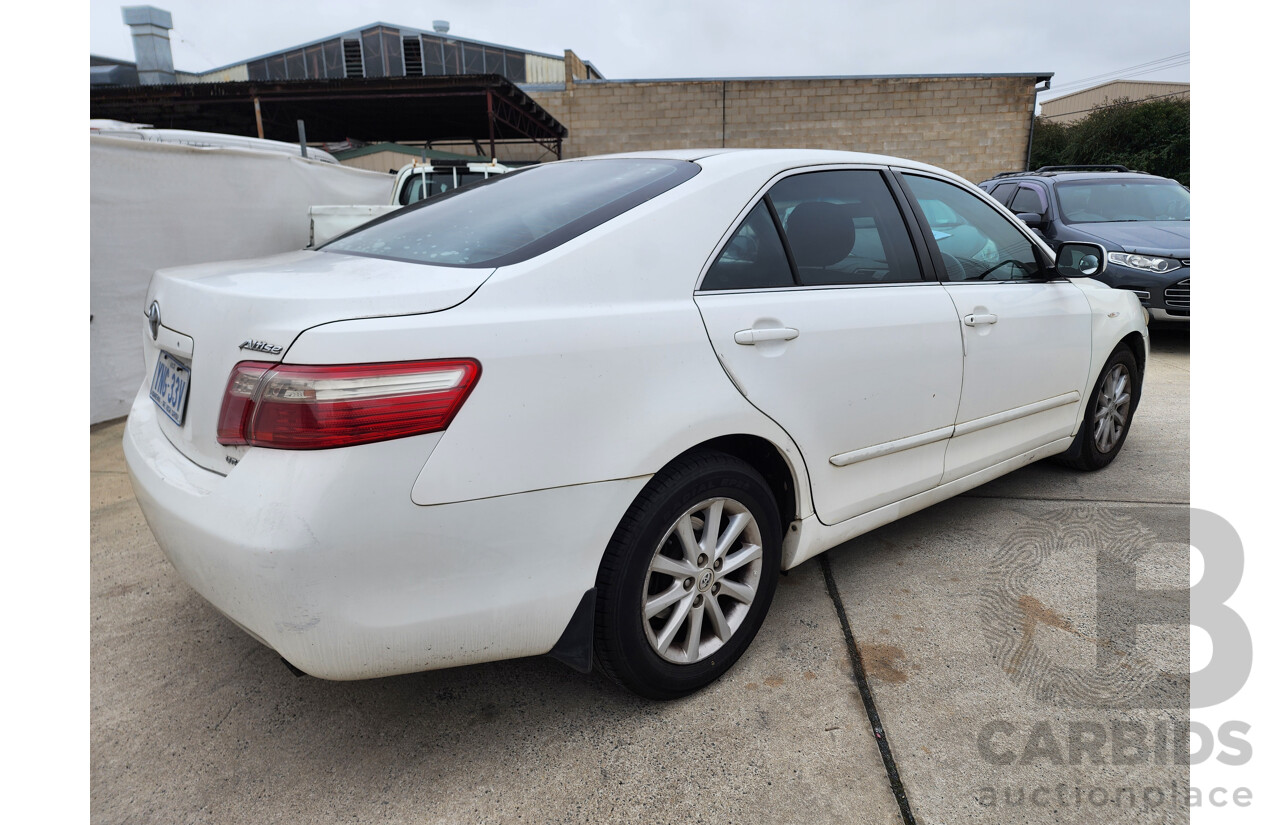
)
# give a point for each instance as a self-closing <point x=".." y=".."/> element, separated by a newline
<point x="473" y="108"/>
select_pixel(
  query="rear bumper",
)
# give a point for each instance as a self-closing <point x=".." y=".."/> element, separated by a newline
<point x="323" y="556"/>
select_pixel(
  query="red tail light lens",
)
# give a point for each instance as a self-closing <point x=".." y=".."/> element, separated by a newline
<point x="237" y="401"/>
<point x="296" y="407"/>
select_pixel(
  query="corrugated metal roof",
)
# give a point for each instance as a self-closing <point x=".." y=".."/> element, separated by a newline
<point x="1171" y="84"/>
<point x="447" y="107"/>
<point x="1075" y="106"/>
<point x="354" y="33"/>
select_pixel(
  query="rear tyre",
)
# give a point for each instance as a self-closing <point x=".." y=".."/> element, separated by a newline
<point x="688" y="576"/>
<point x="1110" y="412"/>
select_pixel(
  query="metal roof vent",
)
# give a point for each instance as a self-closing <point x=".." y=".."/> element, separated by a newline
<point x="150" y="27"/>
<point x="441" y="26"/>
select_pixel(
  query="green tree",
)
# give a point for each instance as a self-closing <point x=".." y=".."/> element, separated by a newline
<point x="1151" y="136"/>
<point x="1049" y="144"/>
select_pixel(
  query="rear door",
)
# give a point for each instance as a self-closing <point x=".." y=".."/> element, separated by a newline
<point x="1026" y="332"/>
<point x="823" y="316"/>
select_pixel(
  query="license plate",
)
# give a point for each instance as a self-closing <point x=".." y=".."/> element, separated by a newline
<point x="169" y="387"/>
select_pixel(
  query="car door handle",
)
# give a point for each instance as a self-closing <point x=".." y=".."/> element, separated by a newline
<point x="978" y="320"/>
<point x="750" y="337"/>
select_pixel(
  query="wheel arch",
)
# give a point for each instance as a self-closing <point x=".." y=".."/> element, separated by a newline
<point x="746" y="470"/>
<point x="766" y="459"/>
<point x="1137" y="345"/>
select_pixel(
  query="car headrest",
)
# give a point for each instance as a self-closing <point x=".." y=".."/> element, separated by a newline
<point x="820" y="233"/>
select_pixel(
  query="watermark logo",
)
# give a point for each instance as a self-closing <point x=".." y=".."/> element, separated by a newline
<point x="1068" y="611"/>
<point x="1015" y="622"/>
<point x="1232" y="660"/>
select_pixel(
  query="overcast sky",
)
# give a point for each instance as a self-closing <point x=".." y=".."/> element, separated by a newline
<point x="628" y="39"/>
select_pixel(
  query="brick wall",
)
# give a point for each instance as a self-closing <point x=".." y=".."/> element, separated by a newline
<point x="974" y="126"/>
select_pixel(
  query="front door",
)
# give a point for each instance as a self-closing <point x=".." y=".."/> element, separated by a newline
<point x="1016" y="319"/>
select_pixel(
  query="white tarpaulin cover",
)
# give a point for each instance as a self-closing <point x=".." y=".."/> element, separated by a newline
<point x="155" y="205"/>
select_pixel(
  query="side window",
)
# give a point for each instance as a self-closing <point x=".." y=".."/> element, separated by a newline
<point x="1003" y="191"/>
<point x="753" y="258"/>
<point x="423" y="186"/>
<point x="844" y="227"/>
<point x="976" y="241"/>
<point x="841" y="227"/>
<point x="1028" y="199"/>
<point x="415" y="188"/>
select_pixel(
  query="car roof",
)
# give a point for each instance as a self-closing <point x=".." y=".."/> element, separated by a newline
<point x="739" y="160"/>
<point x="1059" y="177"/>
<point x="1068" y="176"/>
<point x="664" y="154"/>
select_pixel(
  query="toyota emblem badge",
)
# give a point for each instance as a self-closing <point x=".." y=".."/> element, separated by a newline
<point x="153" y="319"/>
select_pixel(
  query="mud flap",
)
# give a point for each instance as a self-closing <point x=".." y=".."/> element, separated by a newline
<point x="576" y="643"/>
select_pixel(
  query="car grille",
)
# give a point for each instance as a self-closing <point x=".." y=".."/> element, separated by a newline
<point x="1178" y="296"/>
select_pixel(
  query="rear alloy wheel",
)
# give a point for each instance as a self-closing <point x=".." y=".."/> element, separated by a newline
<point x="703" y="579"/>
<point x="1110" y="412"/>
<point x="688" y="577"/>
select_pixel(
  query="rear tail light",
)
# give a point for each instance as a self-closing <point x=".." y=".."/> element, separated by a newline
<point x="237" y="401"/>
<point x="295" y="407"/>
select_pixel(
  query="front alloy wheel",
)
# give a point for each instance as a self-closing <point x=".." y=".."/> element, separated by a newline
<point x="1110" y="412"/>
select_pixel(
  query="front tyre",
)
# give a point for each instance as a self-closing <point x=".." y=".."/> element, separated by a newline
<point x="1110" y="412"/>
<point x="688" y="576"/>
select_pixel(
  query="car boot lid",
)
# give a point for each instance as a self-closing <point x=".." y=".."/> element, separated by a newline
<point x="212" y="316"/>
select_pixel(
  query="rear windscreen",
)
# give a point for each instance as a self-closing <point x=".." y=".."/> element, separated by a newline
<point x="513" y="217"/>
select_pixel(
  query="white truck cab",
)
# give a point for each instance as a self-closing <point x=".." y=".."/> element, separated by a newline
<point x="414" y="182"/>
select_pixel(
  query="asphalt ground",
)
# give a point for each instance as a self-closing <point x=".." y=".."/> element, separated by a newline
<point x="1001" y="657"/>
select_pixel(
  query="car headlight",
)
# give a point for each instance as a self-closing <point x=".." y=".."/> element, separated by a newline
<point x="1147" y="263"/>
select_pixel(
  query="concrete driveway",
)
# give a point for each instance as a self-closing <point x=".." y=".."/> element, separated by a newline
<point x="1024" y="649"/>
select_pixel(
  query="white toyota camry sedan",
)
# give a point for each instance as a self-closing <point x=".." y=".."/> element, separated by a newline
<point x="592" y="408"/>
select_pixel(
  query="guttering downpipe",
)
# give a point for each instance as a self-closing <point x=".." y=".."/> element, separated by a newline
<point x="1031" y="132"/>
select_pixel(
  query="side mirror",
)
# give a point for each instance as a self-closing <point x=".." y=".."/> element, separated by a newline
<point x="1081" y="260"/>
<point x="1031" y="218"/>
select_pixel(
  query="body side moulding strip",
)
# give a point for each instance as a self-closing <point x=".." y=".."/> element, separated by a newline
<point x="889" y="447"/>
<point x="1016" y="413"/>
